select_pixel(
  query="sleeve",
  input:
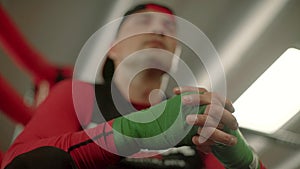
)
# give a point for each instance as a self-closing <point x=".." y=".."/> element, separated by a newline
<point x="211" y="162"/>
<point x="1" y="157"/>
<point x="56" y="124"/>
<point x="90" y="149"/>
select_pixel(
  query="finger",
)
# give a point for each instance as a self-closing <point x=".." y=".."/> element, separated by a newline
<point x="203" y="147"/>
<point x="214" y="116"/>
<point x="203" y="99"/>
<point x="192" y="100"/>
<point x="218" y="99"/>
<point x="196" y="99"/>
<point x="229" y="106"/>
<point x="216" y="135"/>
<point x="201" y="119"/>
<point x="182" y="89"/>
<point x="217" y="114"/>
<point x="208" y="142"/>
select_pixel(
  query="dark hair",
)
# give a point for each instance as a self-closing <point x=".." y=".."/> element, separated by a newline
<point x="108" y="67"/>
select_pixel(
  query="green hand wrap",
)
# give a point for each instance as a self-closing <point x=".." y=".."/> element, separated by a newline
<point x="239" y="156"/>
<point x="159" y="127"/>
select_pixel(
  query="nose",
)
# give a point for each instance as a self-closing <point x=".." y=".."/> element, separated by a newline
<point x="158" y="28"/>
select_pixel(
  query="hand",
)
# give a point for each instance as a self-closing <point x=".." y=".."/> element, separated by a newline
<point x="218" y="114"/>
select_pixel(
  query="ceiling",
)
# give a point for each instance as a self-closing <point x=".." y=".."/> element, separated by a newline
<point x="248" y="35"/>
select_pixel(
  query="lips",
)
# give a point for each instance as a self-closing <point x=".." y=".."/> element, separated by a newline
<point x="156" y="44"/>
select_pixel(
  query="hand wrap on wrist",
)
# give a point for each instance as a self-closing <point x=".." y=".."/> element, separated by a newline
<point x="159" y="127"/>
<point x="239" y="156"/>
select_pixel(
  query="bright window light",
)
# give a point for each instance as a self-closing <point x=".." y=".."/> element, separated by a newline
<point x="274" y="97"/>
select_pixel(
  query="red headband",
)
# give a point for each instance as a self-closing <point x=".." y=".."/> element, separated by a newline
<point x="159" y="8"/>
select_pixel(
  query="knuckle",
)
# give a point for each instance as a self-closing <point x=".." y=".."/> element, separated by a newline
<point x="195" y="141"/>
<point x="227" y="139"/>
<point x="202" y="89"/>
<point x="215" y="109"/>
<point x="200" y="119"/>
<point x="233" y="119"/>
<point x="212" y="122"/>
<point x="209" y="94"/>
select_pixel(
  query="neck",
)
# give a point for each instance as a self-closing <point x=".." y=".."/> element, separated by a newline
<point x="138" y="90"/>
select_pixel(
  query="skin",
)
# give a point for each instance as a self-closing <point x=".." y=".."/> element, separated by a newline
<point x="155" y="31"/>
<point x="222" y="104"/>
<point x="137" y="33"/>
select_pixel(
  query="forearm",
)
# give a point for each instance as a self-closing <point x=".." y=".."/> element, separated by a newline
<point x="96" y="147"/>
<point x="160" y="127"/>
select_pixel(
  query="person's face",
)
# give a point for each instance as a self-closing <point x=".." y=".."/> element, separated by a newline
<point x="145" y="30"/>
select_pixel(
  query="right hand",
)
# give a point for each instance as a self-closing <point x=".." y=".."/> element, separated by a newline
<point x="218" y="114"/>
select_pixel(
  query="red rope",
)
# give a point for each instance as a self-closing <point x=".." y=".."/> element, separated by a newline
<point x="12" y="104"/>
<point x="24" y="54"/>
<point x="1" y="157"/>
